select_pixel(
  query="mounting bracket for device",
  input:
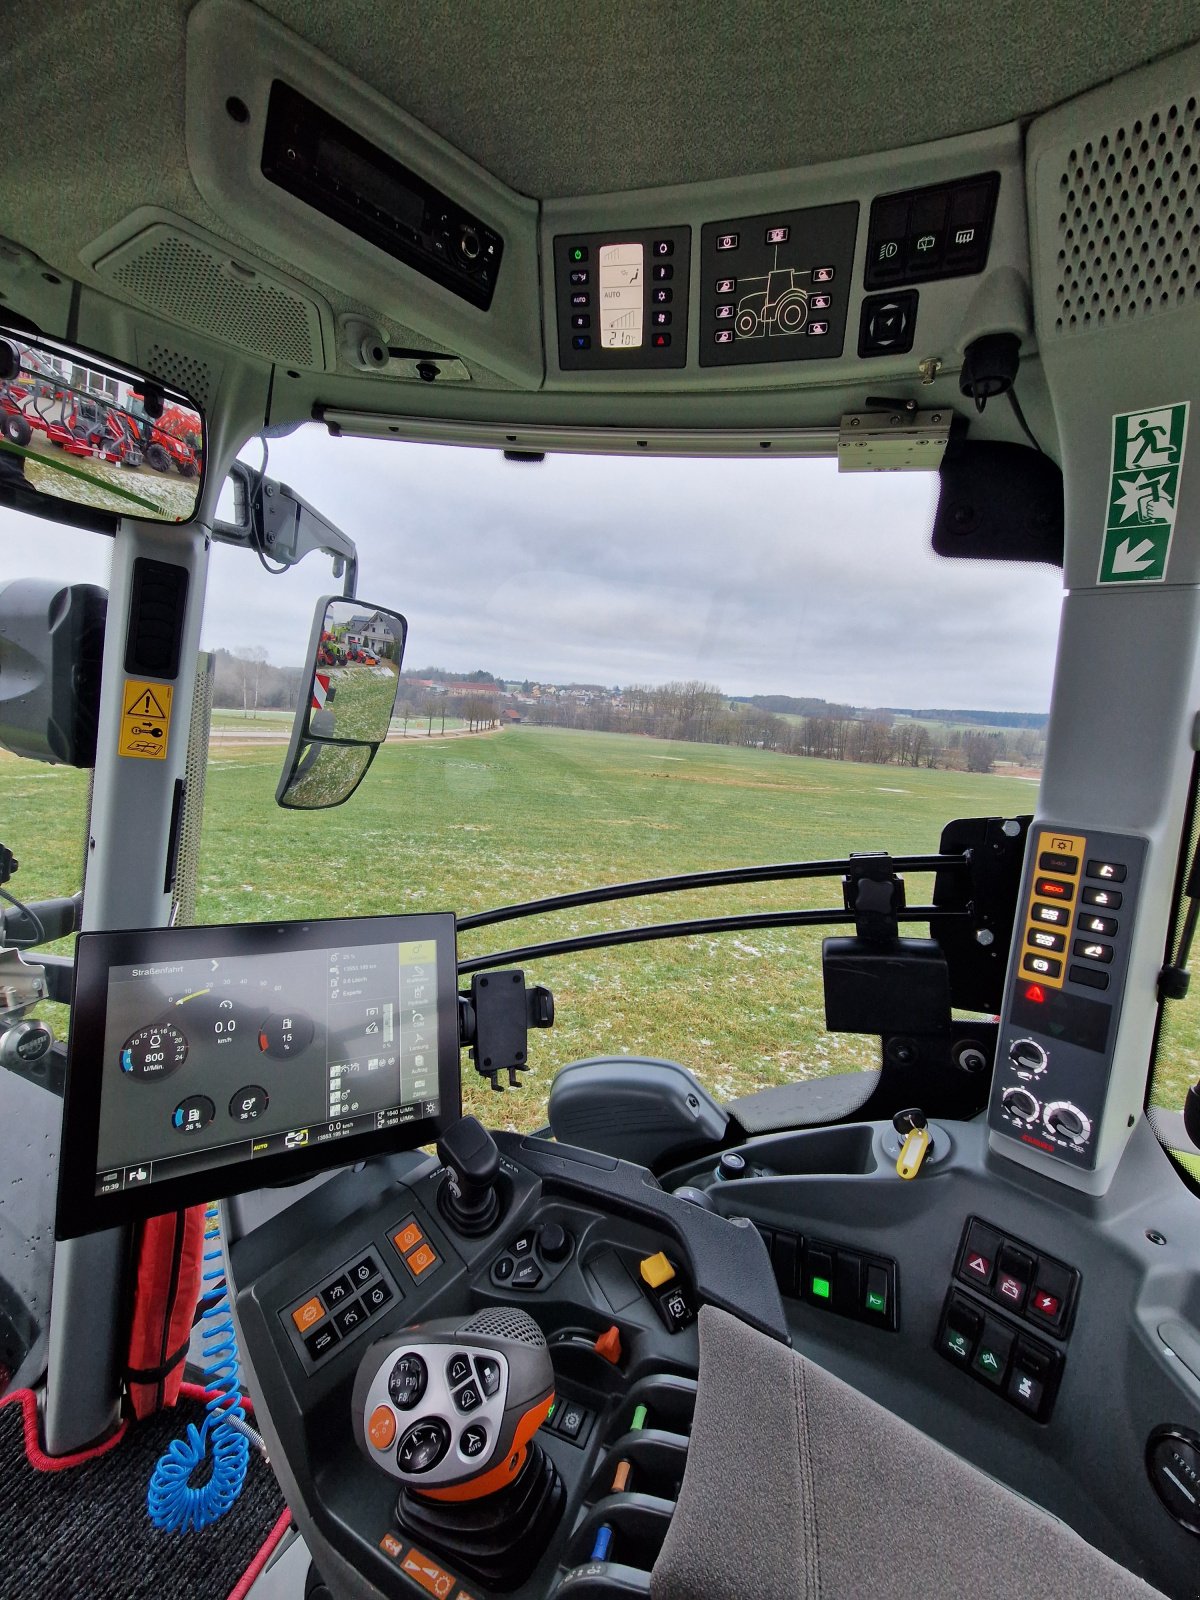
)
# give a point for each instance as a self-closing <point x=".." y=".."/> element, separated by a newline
<point x="283" y="526"/>
<point x="893" y="440"/>
<point x="494" y="1023"/>
<point x="875" y="894"/>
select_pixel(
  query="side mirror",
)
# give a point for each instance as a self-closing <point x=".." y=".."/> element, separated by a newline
<point x="348" y="694"/>
<point x="86" y="441"/>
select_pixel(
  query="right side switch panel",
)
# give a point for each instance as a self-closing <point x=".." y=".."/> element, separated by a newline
<point x="1058" y="1027"/>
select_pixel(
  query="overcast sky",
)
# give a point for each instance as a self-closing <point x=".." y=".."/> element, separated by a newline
<point x="762" y="576"/>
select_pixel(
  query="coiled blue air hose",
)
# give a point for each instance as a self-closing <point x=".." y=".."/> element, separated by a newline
<point x="172" y="1500"/>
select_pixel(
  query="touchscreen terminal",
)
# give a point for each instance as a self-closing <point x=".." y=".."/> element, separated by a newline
<point x="208" y="1061"/>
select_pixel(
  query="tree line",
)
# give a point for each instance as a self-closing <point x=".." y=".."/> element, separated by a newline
<point x="700" y="712"/>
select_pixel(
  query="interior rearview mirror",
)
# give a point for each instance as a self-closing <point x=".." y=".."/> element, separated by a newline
<point x="78" y="431"/>
<point x="348" y="693"/>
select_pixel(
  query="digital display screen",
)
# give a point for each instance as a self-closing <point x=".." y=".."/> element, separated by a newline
<point x="620" y="290"/>
<point x="237" y="1050"/>
<point x="338" y="164"/>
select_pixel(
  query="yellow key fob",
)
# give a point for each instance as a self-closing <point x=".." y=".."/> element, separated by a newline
<point x="912" y="1152"/>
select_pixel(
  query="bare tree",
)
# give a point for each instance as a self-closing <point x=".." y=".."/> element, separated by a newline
<point x="253" y="659"/>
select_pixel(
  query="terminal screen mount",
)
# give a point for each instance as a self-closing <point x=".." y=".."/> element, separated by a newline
<point x="209" y="1061"/>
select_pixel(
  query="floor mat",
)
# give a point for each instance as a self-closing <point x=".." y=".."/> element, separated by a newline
<point x="77" y="1529"/>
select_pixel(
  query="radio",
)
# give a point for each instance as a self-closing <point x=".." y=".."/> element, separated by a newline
<point x="335" y="170"/>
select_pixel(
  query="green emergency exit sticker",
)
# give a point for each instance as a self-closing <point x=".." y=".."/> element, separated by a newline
<point x="1143" y="492"/>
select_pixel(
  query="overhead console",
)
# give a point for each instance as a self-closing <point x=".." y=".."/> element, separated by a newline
<point x="700" y="289"/>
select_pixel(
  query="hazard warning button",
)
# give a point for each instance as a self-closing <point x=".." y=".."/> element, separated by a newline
<point x="977" y="1263"/>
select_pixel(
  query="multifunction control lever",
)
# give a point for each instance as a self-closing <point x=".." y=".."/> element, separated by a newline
<point x="453" y="1404"/>
<point x="450" y="1409"/>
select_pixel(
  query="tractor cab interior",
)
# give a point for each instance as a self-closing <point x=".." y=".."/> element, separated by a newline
<point x="916" y="1329"/>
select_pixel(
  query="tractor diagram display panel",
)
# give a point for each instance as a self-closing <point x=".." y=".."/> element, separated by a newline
<point x="776" y="287"/>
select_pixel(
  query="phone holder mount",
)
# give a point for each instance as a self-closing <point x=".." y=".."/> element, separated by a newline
<point x="494" y="1022"/>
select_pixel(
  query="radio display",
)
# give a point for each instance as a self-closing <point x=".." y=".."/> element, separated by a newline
<point x="204" y="1061"/>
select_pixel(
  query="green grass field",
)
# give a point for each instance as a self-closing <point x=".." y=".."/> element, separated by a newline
<point x="469" y="823"/>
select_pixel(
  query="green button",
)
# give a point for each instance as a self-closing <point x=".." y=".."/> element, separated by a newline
<point x="957" y="1344"/>
<point x="990" y="1363"/>
<point x="822" y="1288"/>
<point x="639" y="1420"/>
<point x="876" y="1302"/>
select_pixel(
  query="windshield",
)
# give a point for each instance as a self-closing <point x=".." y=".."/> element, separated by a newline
<point x="618" y="669"/>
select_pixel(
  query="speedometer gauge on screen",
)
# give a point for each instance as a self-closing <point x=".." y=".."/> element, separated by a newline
<point x="209" y="1061"/>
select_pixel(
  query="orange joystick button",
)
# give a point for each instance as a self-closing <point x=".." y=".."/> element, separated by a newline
<point x="381" y="1430"/>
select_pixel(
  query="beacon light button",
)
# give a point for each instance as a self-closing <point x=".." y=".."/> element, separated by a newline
<point x="656" y="1270"/>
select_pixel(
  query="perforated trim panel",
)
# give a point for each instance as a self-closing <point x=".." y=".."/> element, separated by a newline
<point x="1129" y="225"/>
<point x="193" y="283"/>
<point x="183" y="371"/>
<point x="499" y="1322"/>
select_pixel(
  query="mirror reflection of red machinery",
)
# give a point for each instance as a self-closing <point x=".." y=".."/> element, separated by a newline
<point x="90" y="425"/>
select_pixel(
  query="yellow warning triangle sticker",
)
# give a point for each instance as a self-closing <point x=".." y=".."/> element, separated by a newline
<point x="141" y="701"/>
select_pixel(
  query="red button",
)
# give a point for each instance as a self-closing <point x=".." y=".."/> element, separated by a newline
<point x="1047" y="1304"/>
<point x="979" y="1265"/>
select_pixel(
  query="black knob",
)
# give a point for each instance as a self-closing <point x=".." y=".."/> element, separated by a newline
<point x="1021" y="1104"/>
<point x="468" y="1197"/>
<point x="731" y="1166"/>
<point x="1027" y="1055"/>
<point x="695" y="1197"/>
<point x="554" y="1242"/>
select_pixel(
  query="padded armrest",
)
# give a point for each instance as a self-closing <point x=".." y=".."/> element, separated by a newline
<point x="797" y="1487"/>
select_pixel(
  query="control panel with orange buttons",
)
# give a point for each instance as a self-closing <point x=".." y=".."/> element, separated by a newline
<point x="349" y="1300"/>
<point x="1065" y="984"/>
<point x="415" y="1250"/>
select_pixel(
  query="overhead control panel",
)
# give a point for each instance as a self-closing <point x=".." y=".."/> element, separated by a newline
<point x="776" y="287"/>
<point x="622" y="299"/>
<point x="1058" y="1028"/>
<point x="330" y="167"/>
<point x="938" y="232"/>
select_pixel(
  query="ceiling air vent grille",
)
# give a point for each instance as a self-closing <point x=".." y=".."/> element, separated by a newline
<point x="195" y="284"/>
<point x="182" y="371"/>
<point x="1129" y="222"/>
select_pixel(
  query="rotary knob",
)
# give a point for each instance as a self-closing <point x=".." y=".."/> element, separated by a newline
<point x="1019" y="1103"/>
<point x="1028" y="1057"/>
<point x="1066" y="1121"/>
<point x="554" y="1242"/>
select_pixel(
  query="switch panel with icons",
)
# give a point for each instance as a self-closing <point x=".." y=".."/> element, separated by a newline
<point x="622" y="299"/>
<point x="940" y="232"/>
<point x="1066" y="977"/>
<point x="776" y="287"/>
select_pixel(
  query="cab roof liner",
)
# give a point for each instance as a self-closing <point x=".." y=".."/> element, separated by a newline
<point x="558" y="100"/>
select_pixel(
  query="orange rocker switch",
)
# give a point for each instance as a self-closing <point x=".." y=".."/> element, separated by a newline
<point x="311" y="1311"/>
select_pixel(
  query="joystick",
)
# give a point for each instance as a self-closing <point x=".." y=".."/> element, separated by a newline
<point x="468" y="1197"/>
<point x="450" y="1409"/>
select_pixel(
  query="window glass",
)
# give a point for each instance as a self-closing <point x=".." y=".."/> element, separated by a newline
<point x="619" y="669"/>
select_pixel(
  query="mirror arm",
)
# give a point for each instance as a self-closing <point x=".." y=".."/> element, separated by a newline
<point x="289" y="528"/>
